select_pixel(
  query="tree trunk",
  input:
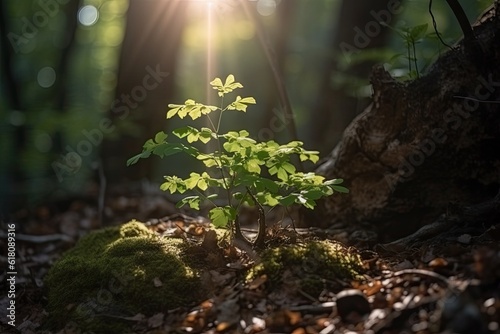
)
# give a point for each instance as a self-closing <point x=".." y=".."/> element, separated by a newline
<point x="422" y="144"/>
<point x="336" y="107"/>
<point x="145" y="82"/>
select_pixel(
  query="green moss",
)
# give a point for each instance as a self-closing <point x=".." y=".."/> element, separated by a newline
<point x="312" y="265"/>
<point x="111" y="274"/>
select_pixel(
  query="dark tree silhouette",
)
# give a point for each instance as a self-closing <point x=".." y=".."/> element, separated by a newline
<point x="336" y="107"/>
<point x="145" y="81"/>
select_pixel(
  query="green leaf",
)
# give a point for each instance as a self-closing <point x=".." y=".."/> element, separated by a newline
<point x="195" y="110"/>
<point x="252" y="166"/>
<point x="202" y="183"/>
<point x="282" y="175"/>
<point x="229" y="80"/>
<point x="341" y="189"/>
<point x="136" y="158"/>
<point x="334" y="181"/>
<point x="183" y="132"/>
<point x="289" y="199"/>
<point x="288" y="167"/>
<point x="167" y="149"/>
<point x="314" y="194"/>
<point x="273" y="170"/>
<point x="418" y="32"/>
<point x="314" y="158"/>
<point x="160" y="137"/>
<point x="173" y="184"/>
<point x="228" y="86"/>
<point x="206" y="135"/>
<point x="174" y="110"/>
<point x="193" y="180"/>
<point x="309" y="155"/>
<point x="149" y="144"/>
<point x="217" y="82"/>
<point x="267" y="199"/>
<point x="241" y="103"/>
<point x="193" y="136"/>
<point x="270" y="185"/>
<point x="192" y="201"/>
<point x="209" y="159"/>
<point x="221" y="216"/>
<point x="231" y="146"/>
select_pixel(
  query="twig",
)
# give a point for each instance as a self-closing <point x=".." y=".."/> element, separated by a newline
<point x="473" y="99"/>
<point x="424" y="272"/>
<point x="434" y="24"/>
<point x="261" y="232"/>
<point x="322" y="308"/>
<point x="40" y="239"/>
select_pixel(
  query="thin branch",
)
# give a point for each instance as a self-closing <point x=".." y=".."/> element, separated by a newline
<point x="473" y="99"/>
<point x="462" y="19"/>
<point x="261" y="232"/>
<point x="434" y="24"/>
<point x="415" y="58"/>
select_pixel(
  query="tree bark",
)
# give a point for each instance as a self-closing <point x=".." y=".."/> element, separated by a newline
<point x="421" y="144"/>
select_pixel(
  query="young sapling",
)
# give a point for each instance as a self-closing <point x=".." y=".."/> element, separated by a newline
<point x="244" y="170"/>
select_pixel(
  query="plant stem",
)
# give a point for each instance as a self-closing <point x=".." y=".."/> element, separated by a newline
<point x="415" y="57"/>
<point x="220" y="115"/>
<point x="261" y="232"/>
<point x="212" y="124"/>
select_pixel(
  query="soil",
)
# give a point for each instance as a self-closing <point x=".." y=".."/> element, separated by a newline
<point x="445" y="281"/>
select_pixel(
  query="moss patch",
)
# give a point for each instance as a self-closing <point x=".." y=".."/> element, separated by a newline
<point x="118" y="272"/>
<point x="311" y="265"/>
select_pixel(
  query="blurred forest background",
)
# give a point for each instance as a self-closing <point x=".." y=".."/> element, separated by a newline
<point x="85" y="82"/>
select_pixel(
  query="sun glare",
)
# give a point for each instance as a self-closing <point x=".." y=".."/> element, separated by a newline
<point x="218" y="26"/>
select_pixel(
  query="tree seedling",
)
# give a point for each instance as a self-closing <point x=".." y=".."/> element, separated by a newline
<point x="411" y="37"/>
<point x="243" y="170"/>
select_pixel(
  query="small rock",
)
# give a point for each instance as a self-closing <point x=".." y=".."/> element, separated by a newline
<point x="406" y="264"/>
<point x="352" y="305"/>
<point x="464" y="239"/>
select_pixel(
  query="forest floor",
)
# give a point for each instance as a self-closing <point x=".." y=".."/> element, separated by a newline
<point x="449" y="284"/>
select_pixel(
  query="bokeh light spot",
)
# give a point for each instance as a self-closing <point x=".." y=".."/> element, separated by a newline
<point x="113" y="35"/>
<point x="88" y="15"/>
<point x="46" y="77"/>
<point x="17" y="118"/>
<point x="43" y="142"/>
<point x="266" y="7"/>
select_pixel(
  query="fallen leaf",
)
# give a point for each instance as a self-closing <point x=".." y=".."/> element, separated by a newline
<point x="257" y="282"/>
<point x="438" y="262"/>
<point x="156" y="320"/>
<point x="137" y="317"/>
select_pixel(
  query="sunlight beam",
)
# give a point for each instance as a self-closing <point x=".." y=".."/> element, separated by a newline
<point x="210" y="59"/>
